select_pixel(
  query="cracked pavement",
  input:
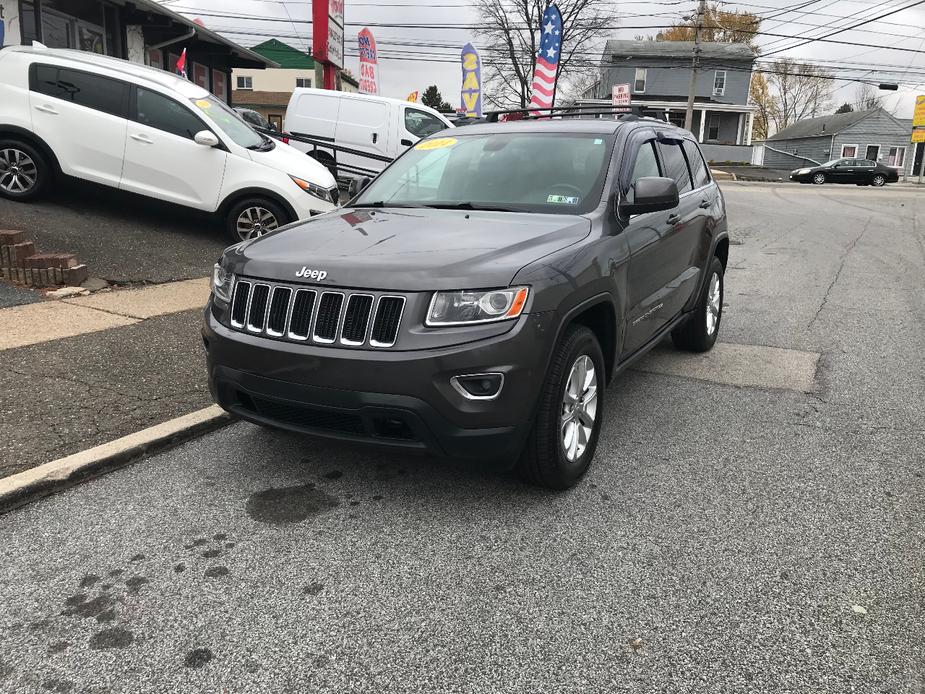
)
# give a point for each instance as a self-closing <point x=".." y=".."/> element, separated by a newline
<point x="727" y="538"/>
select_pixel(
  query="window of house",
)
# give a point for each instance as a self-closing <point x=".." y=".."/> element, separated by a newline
<point x="713" y="127"/>
<point x="675" y="165"/>
<point x="81" y="88"/>
<point x="849" y="151"/>
<point x="897" y="157"/>
<point x="719" y="83"/>
<point x="696" y="163"/>
<point x="872" y="152"/>
<point x="245" y="82"/>
<point x="158" y="111"/>
<point x="639" y="83"/>
<point x="303" y="82"/>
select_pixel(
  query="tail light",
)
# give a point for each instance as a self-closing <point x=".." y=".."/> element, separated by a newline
<point x="285" y="140"/>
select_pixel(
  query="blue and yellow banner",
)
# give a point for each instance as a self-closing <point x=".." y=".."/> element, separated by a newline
<point x="471" y="92"/>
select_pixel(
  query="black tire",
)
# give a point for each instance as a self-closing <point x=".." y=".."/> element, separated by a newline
<point x="819" y="178"/>
<point x="878" y="181"/>
<point x="30" y="164"/>
<point x="544" y="460"/>
<point x="694" y="334"/>
<point x="261" y="221"/>
<point x="327" y="161"/>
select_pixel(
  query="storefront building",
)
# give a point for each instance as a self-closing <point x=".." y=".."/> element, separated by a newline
<point x="142" y="31"/>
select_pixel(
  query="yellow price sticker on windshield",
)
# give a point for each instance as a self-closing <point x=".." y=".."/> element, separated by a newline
<point x="203" y="103"/>
<point x="439" y="143"/>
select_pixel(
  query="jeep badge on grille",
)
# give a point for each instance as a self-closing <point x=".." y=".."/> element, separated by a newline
<point x="311" y="274"/>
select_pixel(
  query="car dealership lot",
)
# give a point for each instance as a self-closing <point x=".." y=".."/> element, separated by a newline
<point x="736" y="533"/>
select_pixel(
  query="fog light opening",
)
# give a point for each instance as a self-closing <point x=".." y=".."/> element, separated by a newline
<point x="478" y="386"/>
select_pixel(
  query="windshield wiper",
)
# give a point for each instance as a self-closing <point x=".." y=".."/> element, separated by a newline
<point x="384" y="203"/>
<point x="469" y="206"/>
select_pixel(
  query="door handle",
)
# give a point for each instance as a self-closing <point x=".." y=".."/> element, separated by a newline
<point x="142" y="138"/>
<point x="406" y="142"/>
<point x="45" y="108"/>
<point x="673" y="219"/>
<point x="705" y="204"/>
<point x="375" y="137"/>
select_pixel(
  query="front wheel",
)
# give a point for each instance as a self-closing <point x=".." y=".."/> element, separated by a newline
<point x="878" y="180"/>
<point x="698" y="333"/>
<point x="561" y="445"/>
<point x="254" y="217"/>
<point x="819" y="179"/>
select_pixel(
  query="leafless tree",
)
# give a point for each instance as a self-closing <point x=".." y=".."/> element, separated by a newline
<point x="867" y="98"/>
<point x="509" y="29"/>
<point x="800" y="91"/>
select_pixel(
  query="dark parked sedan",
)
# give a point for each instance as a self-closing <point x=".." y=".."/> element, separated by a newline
<point x="862" y="172"/>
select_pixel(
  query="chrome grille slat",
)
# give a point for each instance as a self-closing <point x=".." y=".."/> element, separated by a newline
<point x="297" y="313"/>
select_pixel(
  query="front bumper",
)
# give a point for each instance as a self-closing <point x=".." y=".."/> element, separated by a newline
<point x="388" y="397"/>
<point x="306" y="205"/>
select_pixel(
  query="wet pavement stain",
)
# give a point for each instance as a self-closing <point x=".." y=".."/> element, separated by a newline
<point x="313" y="588"/>
<point x="212" y="553"/>
<point x="197" y="658"/>
<point x="136" y="582"/>
<point x="117" y="637"/>
<point x="116" y="572"/>
<point x="179" y="568"/>
<point x="5" y="670"/>
<point x="219" y="537"/>
<point x="86" y="608"/>
<point x="229" y="545"/>
<point x="216" y="572"/>
<point x="137" y="557"/>
<point x="334" y="475"/>
<point x="289" y="504"/>
<point x="89" y="580"/>
<point x="58" y="647"/>
<point x="196" y="543"/>
<point x="106" y="616"/>
<point x="58" y="686"/>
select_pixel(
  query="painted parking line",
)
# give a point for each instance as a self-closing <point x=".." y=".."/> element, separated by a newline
<point x="739" y="365"/>
<point x="53" y="320"/>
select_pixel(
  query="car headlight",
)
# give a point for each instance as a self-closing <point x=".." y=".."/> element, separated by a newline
<point x="476" y="306"/>
<point x="222" y="284"/>
<point x="800" y="172"/>
<point x="314" y="189"/>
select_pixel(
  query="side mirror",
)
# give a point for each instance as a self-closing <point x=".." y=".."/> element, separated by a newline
<point x="650" y="194"/>
<point x="206" y="138"/>
<point x="357" y="185"/>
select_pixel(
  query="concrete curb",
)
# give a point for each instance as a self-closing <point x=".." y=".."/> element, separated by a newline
<point x="27" y="486"/>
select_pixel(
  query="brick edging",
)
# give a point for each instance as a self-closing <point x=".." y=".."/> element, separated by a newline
<point x="20" y="263"/>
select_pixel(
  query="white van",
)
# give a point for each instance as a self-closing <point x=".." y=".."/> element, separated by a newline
<point x="146" y="131"/>
<point x="375" y="124"/>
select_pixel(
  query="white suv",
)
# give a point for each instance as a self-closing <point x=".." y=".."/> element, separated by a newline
<point x="146" y="131"/>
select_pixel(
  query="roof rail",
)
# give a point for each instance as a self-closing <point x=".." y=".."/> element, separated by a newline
<point x="634" y="112"/>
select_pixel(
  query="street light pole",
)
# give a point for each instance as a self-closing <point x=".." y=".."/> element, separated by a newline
<point x="698" y="25"/>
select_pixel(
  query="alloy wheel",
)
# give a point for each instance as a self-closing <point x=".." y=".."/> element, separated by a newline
<point x="714" y="296"/>
<point x="878" y="180"/>
<point x="18" y="172"/>
<point x="255" y="221"/>
<point x="819" y="178"/>
<point x="579" y="408"/>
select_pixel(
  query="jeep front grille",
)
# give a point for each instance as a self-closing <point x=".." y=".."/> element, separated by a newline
<point x="321" y="316"/>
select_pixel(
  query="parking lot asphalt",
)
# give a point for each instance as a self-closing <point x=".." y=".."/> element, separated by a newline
<point x="728" y="538"/>
<point x="121" y="237"/>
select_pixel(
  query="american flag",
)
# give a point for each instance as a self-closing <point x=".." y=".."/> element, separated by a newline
<point x="547" y="60"/>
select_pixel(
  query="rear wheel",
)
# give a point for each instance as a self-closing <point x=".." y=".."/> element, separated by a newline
<point x="699" y="333"/>
<point x="819" y="179"/>
<point x="24" y="172"/>
<point x="561" y="445"/>
<point x="878" y="180"/>
<point x="254" y="217"/>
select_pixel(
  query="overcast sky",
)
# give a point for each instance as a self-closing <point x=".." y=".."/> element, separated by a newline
<point x="905" y="29"/>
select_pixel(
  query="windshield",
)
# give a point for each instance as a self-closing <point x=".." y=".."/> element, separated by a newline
<point x="832" y="163"/>
<point x="552" y="173"/>
<point x="229" y="122"/>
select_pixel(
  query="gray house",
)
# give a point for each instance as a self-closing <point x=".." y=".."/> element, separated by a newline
<point x="874" y="135"/>
<point x="658" y="74"/>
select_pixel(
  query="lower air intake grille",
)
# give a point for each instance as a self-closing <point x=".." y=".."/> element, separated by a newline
<point x="304" y="416"/>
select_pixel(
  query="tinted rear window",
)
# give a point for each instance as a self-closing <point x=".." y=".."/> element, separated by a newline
<point x="697" y="165"/>
<point x="82" y="88"/>
<point x="675" y="166"/>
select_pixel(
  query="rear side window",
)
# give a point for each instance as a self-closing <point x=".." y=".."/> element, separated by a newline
<point x="82" y="88"/>
<point x="697" y="165"/>
<point x="421" y="123"/>
<point x="646" y="162"/>
<point x="675" y="165"/>
<point x="158" y="111"/>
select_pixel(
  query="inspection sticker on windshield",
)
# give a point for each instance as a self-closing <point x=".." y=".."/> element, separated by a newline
<point x="439" y="143"/>
<point x="562" y="200"/>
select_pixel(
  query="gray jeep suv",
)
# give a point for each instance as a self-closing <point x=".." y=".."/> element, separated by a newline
<point x="476" y="298"/>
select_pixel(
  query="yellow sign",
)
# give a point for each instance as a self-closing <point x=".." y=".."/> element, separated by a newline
<point x="412" y="97"/>
<point x="918" y="135"/>
<point x="918" y="118"/>
<point x="439" y="143"/>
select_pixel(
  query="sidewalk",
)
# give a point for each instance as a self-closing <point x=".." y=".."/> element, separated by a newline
<point x="83" y="371"/>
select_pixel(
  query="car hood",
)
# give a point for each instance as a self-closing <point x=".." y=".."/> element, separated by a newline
<point x="408" y="249"/>
<point x="291" y="161"/>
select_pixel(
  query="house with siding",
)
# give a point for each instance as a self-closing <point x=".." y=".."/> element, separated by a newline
<point x="875" y="135"/>
<point x="659" y="73"/>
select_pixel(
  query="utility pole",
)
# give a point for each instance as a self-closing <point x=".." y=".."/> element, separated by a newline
<point x="692" y="91"/>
